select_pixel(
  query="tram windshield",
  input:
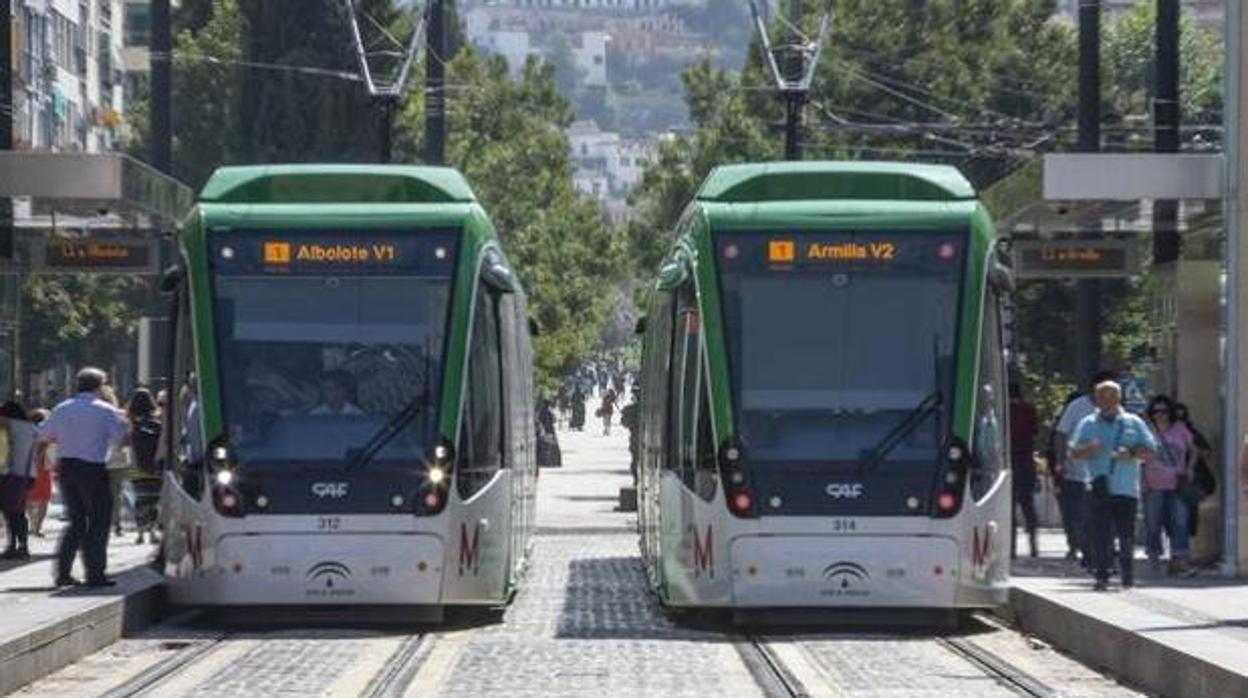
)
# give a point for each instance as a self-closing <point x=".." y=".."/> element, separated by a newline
<point x="841" y="345"/>
<point x="325" y="339"/>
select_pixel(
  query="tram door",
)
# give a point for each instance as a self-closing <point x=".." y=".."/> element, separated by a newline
<point x="656" y="372"/>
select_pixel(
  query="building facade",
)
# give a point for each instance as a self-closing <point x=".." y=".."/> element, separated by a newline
<point x="68" y="89"/>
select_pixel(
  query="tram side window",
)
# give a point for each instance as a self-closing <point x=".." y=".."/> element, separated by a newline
<point x="687" y="412"/>
<point x="990" y="403"/>
<point x="481" y="431"/>
<point x="185" y="424"/>
<point x="658" y="374"/>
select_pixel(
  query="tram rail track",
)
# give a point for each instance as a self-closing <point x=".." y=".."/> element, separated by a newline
<point x="1000" y="669"/>
<point x="769" y="672"/>
<point x="389" y="681"/>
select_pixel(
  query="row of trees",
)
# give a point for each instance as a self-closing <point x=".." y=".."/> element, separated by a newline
<point x="981" y="84"/>
<point x="252" y="86"/>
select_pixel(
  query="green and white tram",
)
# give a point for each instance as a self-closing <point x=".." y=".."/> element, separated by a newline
<point x="823" y="402"/>
<point x="352" y="418"/>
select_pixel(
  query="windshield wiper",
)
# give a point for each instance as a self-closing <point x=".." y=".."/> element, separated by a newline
<point x="388" y="431"/>
<point x="873" y="456"/>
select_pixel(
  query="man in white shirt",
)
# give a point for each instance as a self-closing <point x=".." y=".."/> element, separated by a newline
<point x="337" y="390"/>
<point x="1073" y="472"/>
<point x="84" y="428"/>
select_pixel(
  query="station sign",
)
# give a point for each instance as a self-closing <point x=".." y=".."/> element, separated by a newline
<point x="117" y="255"/>
<point x="1083" y="259"/>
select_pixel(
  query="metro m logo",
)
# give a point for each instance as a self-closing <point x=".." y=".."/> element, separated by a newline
<point x="703" y="552"/>
<point x="469" y="553"/>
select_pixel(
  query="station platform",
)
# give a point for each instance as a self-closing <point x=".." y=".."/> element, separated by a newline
<point x="1167" y="636"/>
<point x="43" y="629"/>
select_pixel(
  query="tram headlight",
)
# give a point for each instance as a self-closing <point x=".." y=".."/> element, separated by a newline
<point x="442" y="452"/>
<point x="224" y="477"/>
<point x="437" y="475"/>
<point x="221" y="454"/>
<point x="955" y="453"/>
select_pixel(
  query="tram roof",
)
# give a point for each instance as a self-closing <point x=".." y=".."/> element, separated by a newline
<point x="834" y="180"/>
<point x="336" y="184"/>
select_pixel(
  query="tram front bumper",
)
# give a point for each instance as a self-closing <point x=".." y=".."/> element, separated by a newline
<point x="338" y="569"/>
<point x="859" y="571"/>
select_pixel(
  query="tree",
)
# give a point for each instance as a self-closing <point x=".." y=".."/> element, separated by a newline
<point x="507" y="138"/>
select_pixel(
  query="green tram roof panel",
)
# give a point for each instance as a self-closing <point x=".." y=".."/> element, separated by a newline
<point x="832" y="180"/>
<point x="336" y="184"/>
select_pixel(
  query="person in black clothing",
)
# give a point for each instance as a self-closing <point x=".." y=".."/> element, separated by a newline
<point x="145" y="473"/>
<point x="18" y="477"/>
<point x="1023" y="426"/>
<point x="577" y="423"/>
<point x="630" y="419"/>
<point x="1203" y="475"/>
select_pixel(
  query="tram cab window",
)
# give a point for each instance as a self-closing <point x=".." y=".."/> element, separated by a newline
<point x="481" y="429"/>
<point x="990" y="403"/>
<point x="689" y="441"/>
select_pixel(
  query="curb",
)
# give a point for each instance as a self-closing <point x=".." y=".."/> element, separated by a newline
<point x="1137" y="659"/>
<point x="49" y="647"/>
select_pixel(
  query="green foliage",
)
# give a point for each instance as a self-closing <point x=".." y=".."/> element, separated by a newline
<point x="506" y="136"/>
<point x="79" y="319"/>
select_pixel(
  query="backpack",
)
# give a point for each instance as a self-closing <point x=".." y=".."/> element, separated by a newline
<point x="145" y="441"/>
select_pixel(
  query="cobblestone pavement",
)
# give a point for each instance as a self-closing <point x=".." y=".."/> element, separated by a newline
<point x="582" y="624"/>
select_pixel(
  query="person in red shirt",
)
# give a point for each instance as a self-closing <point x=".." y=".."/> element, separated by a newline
<point x="1023" y="426"/>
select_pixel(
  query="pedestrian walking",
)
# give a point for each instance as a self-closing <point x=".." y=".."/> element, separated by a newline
<point x="606" y="410"/>
<point x="1166" y="473"/>
<point x="117" y="465"/>
<point x="17" y="458"/>
<point x="84" y="428"/>
<point x="1023" y="426"/>
<point x="39" y="496"/>
<point x="577" y="422"/>
<point x="1072" y="473"/>
<point x="146" y="476"/>
<point x="1113" y="442"/>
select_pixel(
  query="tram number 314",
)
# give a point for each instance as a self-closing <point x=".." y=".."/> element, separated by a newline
<point x="844" y="525"/>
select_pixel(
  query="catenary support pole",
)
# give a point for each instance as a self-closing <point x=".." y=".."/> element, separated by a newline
<point x="161" y="51"/>
<point x="1166" y="115"/>
<point x="1234" y="502"/>
<point x="435" y="85"/>
<point x="7" y="234"/>
<point x="1088" y="291"/>
<point x="794" y="99"/>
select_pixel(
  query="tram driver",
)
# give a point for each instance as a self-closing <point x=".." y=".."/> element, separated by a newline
<point x="337" y="395"/>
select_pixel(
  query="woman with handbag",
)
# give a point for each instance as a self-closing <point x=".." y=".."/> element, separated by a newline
<point x="1167" y="473"/>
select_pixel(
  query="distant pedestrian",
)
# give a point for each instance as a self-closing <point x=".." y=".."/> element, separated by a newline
<point x="1023" y="427"/>
<point x="85" y="428"/>
<point x="1166" y="472"/>
<point x="117" y="465"/>
<point x="39" y="496"/>
<point x="17" y="458"/>
<point x="1113" y="441"/>
<point x="1072" y="473"/>
<point x="606" y="410"/>
<point x="577" y="423"/>
<point x="146" y="472"/>
<point x="630" y="419"/>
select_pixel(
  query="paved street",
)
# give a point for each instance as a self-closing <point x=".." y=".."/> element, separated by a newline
<point x="582" y="625"/>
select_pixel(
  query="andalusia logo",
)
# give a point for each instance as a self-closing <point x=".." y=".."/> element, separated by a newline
<point x="328" y="578"/>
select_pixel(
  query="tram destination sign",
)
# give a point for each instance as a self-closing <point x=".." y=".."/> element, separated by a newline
<point x="1086" y="259"/>
<point x="117" y="255"/>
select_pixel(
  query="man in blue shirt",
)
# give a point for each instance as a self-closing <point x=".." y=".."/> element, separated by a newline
<point x="1112" y="442"/>
<point x="85" y="428"/>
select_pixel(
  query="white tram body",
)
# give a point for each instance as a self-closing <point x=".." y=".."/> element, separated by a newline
<point x="824" y="422"/>
<point x="353" y="423"/>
